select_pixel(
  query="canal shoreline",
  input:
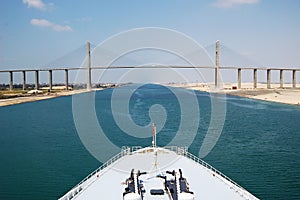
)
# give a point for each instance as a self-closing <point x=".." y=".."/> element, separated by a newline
<point x="286" y="95"/>
<point x="39" y="97"/>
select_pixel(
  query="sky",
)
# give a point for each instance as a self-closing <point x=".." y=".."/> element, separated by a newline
<point x="36" y="32"/>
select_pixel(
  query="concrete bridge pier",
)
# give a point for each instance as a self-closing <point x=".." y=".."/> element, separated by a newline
<point x="67" y="79"/>
<point x="281" y="78"/>
<point x="239" y="78"/>
<point x="294" y="78"/>
<point x="269" y="78"/>
<point x="255" y="78"/>
<point x="24" y="79"/>
<point x="11" y="80"/>
<point x="50" y="79"/>
<point x="36" y="79"/>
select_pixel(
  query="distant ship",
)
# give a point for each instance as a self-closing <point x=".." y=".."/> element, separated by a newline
<point x="162" y="173"/>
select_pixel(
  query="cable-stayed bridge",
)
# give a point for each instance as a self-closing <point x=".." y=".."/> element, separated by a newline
<point x="225" y="59"/>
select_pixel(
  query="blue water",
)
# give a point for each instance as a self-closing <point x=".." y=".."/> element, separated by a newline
<point x="42" y="156"/>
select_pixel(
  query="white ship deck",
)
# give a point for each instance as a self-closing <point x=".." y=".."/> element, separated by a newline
<point x="206" y="182"/>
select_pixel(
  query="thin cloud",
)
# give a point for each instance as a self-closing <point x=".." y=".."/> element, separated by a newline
<point x="84" y="19"/>
<point x="53" y="26"/>
<point x="38" y="4"/>
<point x="232" y="3"/>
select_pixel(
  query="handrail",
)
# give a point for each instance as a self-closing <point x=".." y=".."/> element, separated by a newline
<point x="129" y="150"/>
<point x="183" y="151"/>
<point x="87" y="180"/>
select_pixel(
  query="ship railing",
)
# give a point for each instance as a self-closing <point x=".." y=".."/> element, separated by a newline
<point x="184" y="152"/>
<point x="178" y="150"/>
<point x="129" y="150"/>
<point x="93" y="176"/>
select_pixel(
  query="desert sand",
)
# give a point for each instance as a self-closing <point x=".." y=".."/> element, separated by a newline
<point x="18" y="100"/>
<point x="286" y="95"/>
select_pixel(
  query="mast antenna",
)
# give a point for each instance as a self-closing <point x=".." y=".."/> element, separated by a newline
<point x="153" y="135"/>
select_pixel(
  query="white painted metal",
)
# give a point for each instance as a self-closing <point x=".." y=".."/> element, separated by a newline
<point x="205" y="181"/>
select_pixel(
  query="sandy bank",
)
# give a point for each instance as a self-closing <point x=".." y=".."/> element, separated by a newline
<point x="18" y="100"/>
<point x="286" y="95"/>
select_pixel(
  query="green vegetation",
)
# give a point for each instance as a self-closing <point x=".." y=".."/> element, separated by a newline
<point x="15" y="91"/>
<point x="7" y="94"/>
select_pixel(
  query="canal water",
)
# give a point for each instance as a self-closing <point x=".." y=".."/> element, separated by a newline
<point x="42" y="155"/>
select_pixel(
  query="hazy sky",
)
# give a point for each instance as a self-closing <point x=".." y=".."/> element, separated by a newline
<point x="36" y="32"/>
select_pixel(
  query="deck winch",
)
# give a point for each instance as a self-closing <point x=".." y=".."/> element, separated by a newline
<point x="170" y="185"/>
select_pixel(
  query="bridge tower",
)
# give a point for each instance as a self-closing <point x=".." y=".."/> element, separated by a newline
<point x="217" y="69"/>
<point x="89" y="81"/>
